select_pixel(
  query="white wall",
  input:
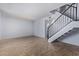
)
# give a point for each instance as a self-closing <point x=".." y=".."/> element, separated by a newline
<point x="11" y="27"/>
<point x="0" y="26"/>
<point x="39" y="28"/>
<point x="14" y="27"/>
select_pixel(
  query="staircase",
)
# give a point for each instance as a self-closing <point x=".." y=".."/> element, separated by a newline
<point x="63" y="21"/>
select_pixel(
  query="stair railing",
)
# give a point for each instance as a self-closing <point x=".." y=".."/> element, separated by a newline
<point x="62" y="20"/>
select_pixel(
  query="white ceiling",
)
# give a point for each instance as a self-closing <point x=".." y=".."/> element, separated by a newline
<point x="29" y="11"/>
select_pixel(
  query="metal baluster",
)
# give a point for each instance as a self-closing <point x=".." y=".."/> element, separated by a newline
<point x="47" y="33"/>
<point x="73" y="13"/>
<point x="76" y="12"/>
<point x="70" y="13"/>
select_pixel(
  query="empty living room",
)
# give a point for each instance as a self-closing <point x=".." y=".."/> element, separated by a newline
<point x="39" y="29"/>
